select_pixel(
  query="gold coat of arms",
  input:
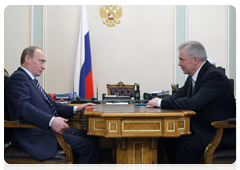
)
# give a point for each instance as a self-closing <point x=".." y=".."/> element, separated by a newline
<point x="110" y="14"/>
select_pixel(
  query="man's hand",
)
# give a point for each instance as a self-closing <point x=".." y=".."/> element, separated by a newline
<point x="83" y="106"/>
<point x="153" y="103"/>
<point x="59" y="125"/>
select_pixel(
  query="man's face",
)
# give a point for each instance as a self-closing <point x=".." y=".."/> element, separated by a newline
<point x="37" y="63"/>
<point x="186" y="63"/>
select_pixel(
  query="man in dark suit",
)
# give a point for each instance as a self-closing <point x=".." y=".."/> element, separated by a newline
<point x="208" y="92"/>
<point x="27" y="100"/>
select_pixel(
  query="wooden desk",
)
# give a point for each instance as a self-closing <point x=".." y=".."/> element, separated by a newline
<point x="79" y="121"/>
<point x="137" y="129"/>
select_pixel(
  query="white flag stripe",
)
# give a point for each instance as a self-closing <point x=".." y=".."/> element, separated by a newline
<point x="80" y="56"/>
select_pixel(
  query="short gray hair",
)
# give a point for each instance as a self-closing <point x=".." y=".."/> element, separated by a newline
<point x="194" y="48"/>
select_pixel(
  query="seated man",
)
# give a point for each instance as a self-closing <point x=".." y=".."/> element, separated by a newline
<point x="27" y="100"/>
<point x="207" y="91"/>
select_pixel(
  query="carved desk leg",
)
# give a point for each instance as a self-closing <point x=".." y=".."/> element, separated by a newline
<point x="137" y="151"/>
<point x="154" y="143"/>
<point x="121" y="143"/>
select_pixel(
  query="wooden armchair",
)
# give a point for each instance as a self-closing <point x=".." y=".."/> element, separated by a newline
<point x="213" y="156"/>
<point x="16" y="155"/>
<point x="120" y="89"/>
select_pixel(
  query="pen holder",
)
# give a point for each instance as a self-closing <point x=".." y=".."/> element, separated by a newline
<point x="137" y="95"/>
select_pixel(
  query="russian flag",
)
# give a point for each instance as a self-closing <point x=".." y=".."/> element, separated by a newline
<point x="83" y="80"/>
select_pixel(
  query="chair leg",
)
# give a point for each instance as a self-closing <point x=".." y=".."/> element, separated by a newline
<point x="114" y="155"/>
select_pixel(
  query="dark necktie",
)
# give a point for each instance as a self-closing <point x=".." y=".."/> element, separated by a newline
<point x="193" y="85"/>
<point x="45" y="95"/>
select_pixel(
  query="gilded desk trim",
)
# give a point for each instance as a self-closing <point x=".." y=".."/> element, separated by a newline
<point x="94" y="125"/>
<point x="173" y="128"/>
<point x="109" y="125"/>
<point x="136" y="122"/>
<point x="184" y="124"/>
<point x="165" y="123"/>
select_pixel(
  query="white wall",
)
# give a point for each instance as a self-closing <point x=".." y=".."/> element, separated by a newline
<point x="62" y="27"/>
<point x="208" y="24"/>
<point x="16" y="35"/>
<point x="140" y="49"/>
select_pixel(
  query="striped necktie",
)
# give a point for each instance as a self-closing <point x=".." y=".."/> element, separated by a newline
<point x="44" y="94"/>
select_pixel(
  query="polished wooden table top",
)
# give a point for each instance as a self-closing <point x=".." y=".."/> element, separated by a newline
<point x="117" y="121"/>
<point x="118" y="110"/>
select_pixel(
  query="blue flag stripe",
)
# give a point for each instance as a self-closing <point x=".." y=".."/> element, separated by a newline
<point x="86" y="68"/>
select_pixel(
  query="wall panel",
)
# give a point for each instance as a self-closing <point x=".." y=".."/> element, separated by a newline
<point x="16" y="34"/>
<point x="62" y="23"/>
<point x="139" y="49"/>
<point x="208" y="25"/>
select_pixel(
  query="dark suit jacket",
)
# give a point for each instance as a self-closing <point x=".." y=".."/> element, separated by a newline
<point x="212" y="100"/>
<point x="25" y="101"/>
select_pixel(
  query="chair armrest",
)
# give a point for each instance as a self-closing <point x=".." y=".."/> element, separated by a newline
<point x="23" y="124"/>
<point x="17" y="124"/>
<point x="229" y="123"/>
<point x="232" y="121"/>
<point x="212" y="146"/>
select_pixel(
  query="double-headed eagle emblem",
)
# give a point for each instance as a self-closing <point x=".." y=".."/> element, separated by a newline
<point x="110" y="14"/>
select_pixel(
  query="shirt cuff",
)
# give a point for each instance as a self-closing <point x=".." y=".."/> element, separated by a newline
<point x="75" y="109"/>
<point x="50" y="123"/>
<point x="159" y="102"/>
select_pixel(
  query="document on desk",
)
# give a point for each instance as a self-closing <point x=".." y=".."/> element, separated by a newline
<point x="117" y="103"/>
<point x="107" y="95"/>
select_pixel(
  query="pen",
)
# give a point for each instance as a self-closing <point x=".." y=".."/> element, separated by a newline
<point x="177" y="86"/>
